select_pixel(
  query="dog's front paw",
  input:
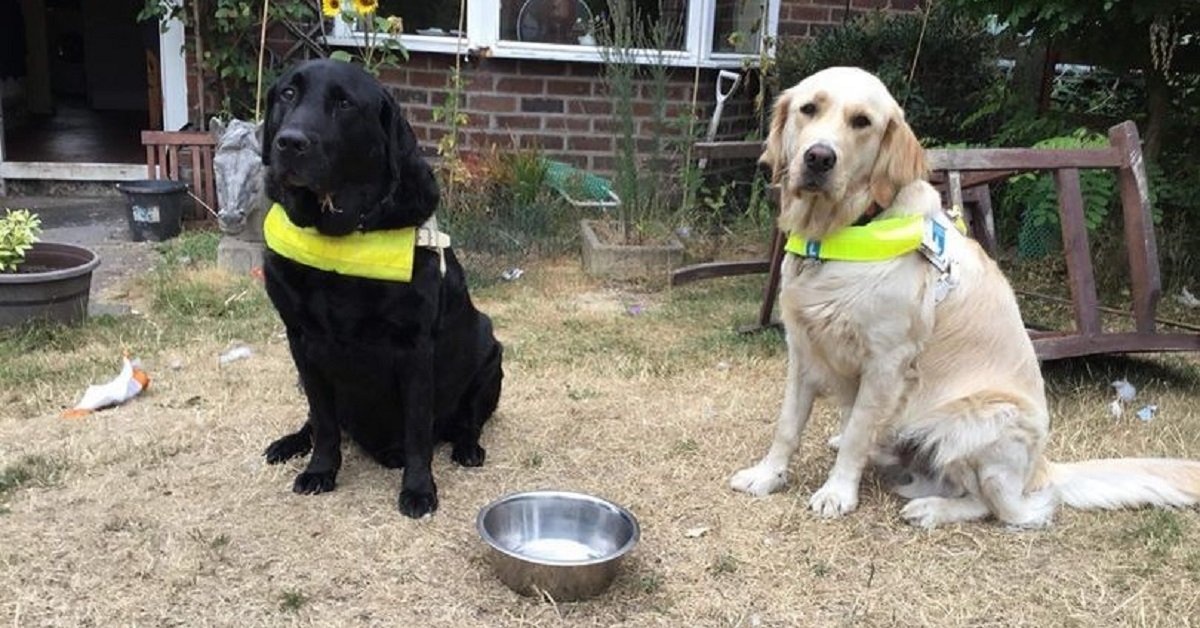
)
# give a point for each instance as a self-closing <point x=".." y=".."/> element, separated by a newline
<point x="471" y="455"/>
<point x="835" y="442"/>
<point x="834" y="500"/>
<point x="309" y="483"/>
<point x="759" y="480"/>
<point x="925" y="512"/>
<point x="418" y="504"/>
<point x="288" y="447"/>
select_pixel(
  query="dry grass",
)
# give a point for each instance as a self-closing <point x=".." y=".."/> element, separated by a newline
<point x="162" y="512"/>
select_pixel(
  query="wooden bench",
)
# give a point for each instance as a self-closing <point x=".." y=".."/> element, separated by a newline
<point x="963" y="176"/>
<point x="166" y="151"/>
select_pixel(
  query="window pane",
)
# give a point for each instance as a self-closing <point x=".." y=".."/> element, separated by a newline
<point x="582" y="22"/>
<point x="423" y="17"/>
<point x="738" y="25"/>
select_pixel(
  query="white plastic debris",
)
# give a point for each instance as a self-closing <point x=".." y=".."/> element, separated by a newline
<point x="128" y="384"/>
<point x="1116" y="409"/>
<point x="1125" y="391"/>
<point x="1187" y="299"/>
<point x="696" y="532"/>
<point x="238" y="352"/>
<point x="1147" y="412"/>
<point x="512" y="274"/>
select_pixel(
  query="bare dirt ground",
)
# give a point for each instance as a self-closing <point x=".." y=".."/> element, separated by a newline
<point x="162" y="512"/>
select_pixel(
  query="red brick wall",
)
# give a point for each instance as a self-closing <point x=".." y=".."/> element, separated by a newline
<point x="804" y="18"/>
<point x="563" y="107"/>
<point x="560" y="107"/>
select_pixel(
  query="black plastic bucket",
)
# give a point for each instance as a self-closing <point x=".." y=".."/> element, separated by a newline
<point x="155" y="208"/>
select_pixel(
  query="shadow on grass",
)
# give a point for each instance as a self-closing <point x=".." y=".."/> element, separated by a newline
<point x="1172" y="371"/>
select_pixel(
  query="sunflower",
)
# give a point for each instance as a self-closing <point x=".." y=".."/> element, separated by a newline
<point x="331" y="8"/>
<point x="366" y="7"/>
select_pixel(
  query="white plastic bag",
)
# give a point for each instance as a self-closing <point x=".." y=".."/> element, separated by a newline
<point x="129" y="384"/>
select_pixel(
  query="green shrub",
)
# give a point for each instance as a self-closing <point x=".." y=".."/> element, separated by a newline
<point x="19" y="230"/>
<point x="1035" y="195"/>
<point x="955" y="68"/>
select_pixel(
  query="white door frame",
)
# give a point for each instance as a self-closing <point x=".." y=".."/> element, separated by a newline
<point x="173" y="78"/>
<point x="173" y="74"/>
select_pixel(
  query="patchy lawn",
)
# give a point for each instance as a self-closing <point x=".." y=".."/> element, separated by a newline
<point x="162" y="512"/>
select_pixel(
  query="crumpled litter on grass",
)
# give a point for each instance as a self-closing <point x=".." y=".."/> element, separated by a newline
<point x="1187" y="299"/>
<point x="129" y="383"/>
<point x="237" y="352"/>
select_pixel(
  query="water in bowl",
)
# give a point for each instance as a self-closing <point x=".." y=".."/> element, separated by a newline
<point x="558" y="550"/>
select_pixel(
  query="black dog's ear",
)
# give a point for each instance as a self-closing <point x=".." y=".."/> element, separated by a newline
<point x="413" y="189"/>
<point x="267" y="130"/>
<point x="398" y="136"/>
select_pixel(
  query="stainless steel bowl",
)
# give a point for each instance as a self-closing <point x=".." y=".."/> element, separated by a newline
<point x="564" y="545"/>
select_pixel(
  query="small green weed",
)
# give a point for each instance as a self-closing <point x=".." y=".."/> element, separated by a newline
<point x="820" y="569"/>
<point x="581" y="394"/>
<point x="30" y="470"/>
<point x="723" y="564"/>
<point x="1159" y="532"/>
<point x="292" y="601"/>
<point x="191" y="247"/>
<point x="650" y="583"/>
<point x="685" y="447"/>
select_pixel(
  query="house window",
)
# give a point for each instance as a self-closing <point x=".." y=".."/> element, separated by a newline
<point x="738" y="26"/>
<point x="429" y="19"/>
<point x="583" y="23"/>
<point x="711" y="33"/>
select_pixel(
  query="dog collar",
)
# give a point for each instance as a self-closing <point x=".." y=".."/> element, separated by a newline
<point x="889" y="238"/>
<point x="882" y="239"/>
<point x="386" y="255"/>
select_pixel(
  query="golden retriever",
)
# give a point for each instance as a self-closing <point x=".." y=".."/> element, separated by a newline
<point x="947" y="394"/>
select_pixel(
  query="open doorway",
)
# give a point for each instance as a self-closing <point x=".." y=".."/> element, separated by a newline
<point x="80" y="81"/>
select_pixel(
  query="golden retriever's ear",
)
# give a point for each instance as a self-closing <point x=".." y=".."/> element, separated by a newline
<point x="773" y="155"/>
<point x="901" y="161"/>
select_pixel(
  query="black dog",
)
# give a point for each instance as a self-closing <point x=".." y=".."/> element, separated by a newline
<point x="398" y="366"/>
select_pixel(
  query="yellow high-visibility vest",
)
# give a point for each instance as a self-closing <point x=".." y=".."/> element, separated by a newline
<point x="386" y="255"/>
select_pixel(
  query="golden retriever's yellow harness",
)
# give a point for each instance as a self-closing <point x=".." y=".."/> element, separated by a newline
<point x="888" y="238"/>
<point x="880" y="240"/>
<point x="385" y="255"/>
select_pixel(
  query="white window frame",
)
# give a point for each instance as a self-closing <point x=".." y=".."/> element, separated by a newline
<point x="483" y="38"/>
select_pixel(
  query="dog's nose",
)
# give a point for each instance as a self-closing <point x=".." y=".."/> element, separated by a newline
<point x="292" y="141"/>
<point x="819" y="158"/>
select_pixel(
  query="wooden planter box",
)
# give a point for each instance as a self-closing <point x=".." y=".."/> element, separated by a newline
<point x="620" y="261"/>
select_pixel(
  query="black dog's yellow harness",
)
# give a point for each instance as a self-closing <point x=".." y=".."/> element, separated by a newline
<point x="386" y="255"/>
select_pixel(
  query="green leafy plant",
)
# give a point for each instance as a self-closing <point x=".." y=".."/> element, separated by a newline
<point x="19" y="230"/>
<point x="381" y="49"/>
<point x="451" y="114"/>
<point x="938" y="65"/>
<point x="230" y="30"/>
<point x="1036" y="193"/>
<point x="634" y="52"/>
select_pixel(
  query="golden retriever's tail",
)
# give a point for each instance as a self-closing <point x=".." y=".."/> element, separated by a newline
<point x="1127" y="483"/>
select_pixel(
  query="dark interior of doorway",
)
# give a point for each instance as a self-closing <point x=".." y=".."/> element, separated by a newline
<point x="91" y="77"/>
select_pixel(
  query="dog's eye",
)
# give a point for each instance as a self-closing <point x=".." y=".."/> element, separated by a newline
<point x="808" y="109"/>
<point x="287" y="94"/>
<point x="342" y="103"/>
<point x="860" y="121"/>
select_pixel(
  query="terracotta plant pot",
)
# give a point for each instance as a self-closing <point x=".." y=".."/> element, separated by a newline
<point x="52" y="284"/>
